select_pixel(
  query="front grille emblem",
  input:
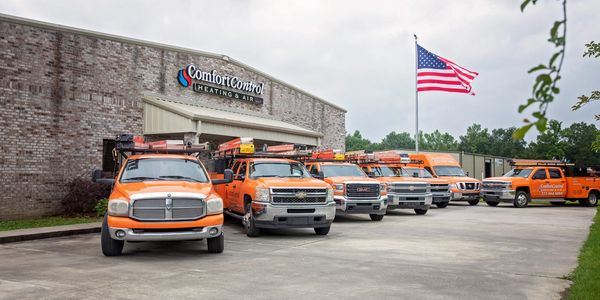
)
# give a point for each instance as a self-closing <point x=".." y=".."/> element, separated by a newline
<point x="411" y="188"/>
<point x="169" y="203"/>
<point x="301" y="195"/>
<point x="362" y="189"/>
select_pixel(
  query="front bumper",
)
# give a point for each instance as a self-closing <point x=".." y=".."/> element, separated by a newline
<point x="441" y="197"/>
<point x="464" y="195"/>
<point x="409" y="201"/>
<point x="346" y="205"/>
<point x="268" y="215"/>
<point x="153" y="235"/>
<point x="498" y="195"/>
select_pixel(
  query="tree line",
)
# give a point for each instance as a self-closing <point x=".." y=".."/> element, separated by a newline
<point x="570" y="144"/>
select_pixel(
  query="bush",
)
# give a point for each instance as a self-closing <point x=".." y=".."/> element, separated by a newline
<point x="83" y="196"/>
<point x="101" y="207"/>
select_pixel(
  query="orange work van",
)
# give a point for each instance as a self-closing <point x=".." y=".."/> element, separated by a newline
<point x="444" y="166"/>
<point x="161" y="193"/>
<point x="543" y="180"/>
<point x="272" y="189"/>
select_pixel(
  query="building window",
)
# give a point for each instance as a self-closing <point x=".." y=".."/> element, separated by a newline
<point x="108" y="163"/>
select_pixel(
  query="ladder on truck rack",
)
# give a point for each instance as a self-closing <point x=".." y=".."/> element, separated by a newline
<point x="128" y="143"/>
<point x="538" y="162"/>
<point x="380" y="157"/>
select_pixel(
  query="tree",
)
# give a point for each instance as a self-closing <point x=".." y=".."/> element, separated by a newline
<point x="477" y="140"/>
<point x="503" y="144"/>
<point x="438" y="141"/>
<point x="576" y="136"/>
<point x="549" y="144"/>
<point x="357" y="142"/>
<point x="593" y="51"/>
<point x="394" y="140"/>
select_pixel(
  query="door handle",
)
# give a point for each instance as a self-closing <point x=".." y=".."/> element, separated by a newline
<point x="233" y="186"/>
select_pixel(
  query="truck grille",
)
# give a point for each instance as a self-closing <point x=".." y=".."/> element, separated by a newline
<point x="408" y="188"/>
<point x="158" y="210"/>
<point x="469" y="185"/>
<point x="439" y="188"/>
<point x="299" y="195"/>
<point x="494" y="185"/>
<point x="362" y="190"/>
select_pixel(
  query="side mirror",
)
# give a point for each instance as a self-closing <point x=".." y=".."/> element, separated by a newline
<point x="319" y="175"/>
<point x="371" y="174"/>
<point x="97" y="178"/>
<point x="227" y="177"/>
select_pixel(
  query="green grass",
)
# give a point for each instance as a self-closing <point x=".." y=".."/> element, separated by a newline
<point x="586" y="277"/>
<point x="44" y="222"/>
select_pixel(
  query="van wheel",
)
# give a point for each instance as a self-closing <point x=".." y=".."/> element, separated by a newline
<point x="248" y="220"/>
<point x="216" y="244"/>
<point x="442" y="204"/>
<point x="592" y="200"/>
<point x="473" y="202"/>
<point x="419" y="211"/>
<point x="492" y="203"/>
<point x="110" y="247"/>
<point x="322" y="230"/>
<point x="375" y="217"/>
<point x="521" y="199"/>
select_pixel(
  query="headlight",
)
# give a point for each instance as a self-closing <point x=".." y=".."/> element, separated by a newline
<point x="262" y="195"/>
<point x="118" y="207"/>
<point x="214" y="205"/>
<point x="339" y="187"/>
<point x="329" y="195"/>
<point x="453" y="186"/>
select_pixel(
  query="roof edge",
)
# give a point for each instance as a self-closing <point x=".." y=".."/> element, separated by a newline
<point x="114" y="37"/>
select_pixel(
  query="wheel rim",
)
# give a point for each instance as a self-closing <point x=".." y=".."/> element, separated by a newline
<point x="246" y="220"/>
<point x="593" y="199"/>
<point x="522" y="200"/>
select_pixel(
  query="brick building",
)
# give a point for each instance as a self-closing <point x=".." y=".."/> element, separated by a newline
<point x="66" y="92"/>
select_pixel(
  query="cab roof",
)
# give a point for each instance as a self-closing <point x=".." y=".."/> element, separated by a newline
<point x="267" y="159"/>
<point x="162" y="155"/>
<point x="334" y="163"/>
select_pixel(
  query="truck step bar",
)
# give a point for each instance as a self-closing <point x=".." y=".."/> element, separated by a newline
<point x="233" y="214"/>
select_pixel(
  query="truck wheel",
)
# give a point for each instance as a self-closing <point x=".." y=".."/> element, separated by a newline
<point x="592" y="200"/>
<point x="492" y="203"/>
<point x="251" y="229"/>
<point x="216" y="244"/>
<point x="420" y="211"/>
<point x="375" y="217"/>
<point x="442" y="204"/>
<point x="322" y="230"/>
<point x="473" y="202"/>
<point x="110" y="247"/>
<point x="521" y="199"/>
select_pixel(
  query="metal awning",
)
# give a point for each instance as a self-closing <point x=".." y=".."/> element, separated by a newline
<point x="164" y="115"/>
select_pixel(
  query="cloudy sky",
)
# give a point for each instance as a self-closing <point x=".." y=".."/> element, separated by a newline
<point x="360" y="54"/>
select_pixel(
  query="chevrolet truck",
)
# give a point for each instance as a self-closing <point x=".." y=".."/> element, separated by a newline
<point x="534" y="181"/>
<point x="444" y="166"/>
<point x="161" y="197"/>
<point x="440" y="188"/>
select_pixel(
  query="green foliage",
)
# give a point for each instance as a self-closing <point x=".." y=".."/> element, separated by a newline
<point x="549" y="144"/>
<point x="578" y="137"/>
<point x="592" y="51"/>
<point x="586" y="277"/>
<point x="101" y="207"/>
<point x="44" y="222"/>
<point x="438" y="141"/>
<point x="477" y="140"/>
<point x="395" y="140"/>
<point x="545" y="87"/>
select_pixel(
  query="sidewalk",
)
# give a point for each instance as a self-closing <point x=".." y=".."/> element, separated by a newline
<point x="48" y="232"/>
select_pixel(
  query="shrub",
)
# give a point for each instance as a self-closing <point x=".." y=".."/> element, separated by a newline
<point x="101" y="207"/>
<point x="83" y="196"/>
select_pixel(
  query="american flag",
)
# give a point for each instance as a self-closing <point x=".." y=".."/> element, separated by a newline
<point x="435" y="73"/>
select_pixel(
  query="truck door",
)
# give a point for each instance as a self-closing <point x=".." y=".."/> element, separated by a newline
<point x="557" y="185"/>
<point x="539" y="180"/>
<point x="227" y="197"/>
<point x="236" y="199"/>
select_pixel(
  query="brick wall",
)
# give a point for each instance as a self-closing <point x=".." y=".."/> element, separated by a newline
<point x="62" y="92"/>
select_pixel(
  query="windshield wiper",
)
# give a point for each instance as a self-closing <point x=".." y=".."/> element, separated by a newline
<point x="180" y="177"/>
<point x="138" y="178"/>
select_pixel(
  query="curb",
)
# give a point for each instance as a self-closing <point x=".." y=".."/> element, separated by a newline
<point x="47" y="232"/>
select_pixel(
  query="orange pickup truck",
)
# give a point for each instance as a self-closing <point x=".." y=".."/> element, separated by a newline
<point x="462" y="187"/>
<point x="161" y="197"/>
<point x="271" y="191"/>
<point x="553" y="181"/>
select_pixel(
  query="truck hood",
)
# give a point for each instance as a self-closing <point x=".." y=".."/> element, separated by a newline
<point x="507" y="179"/>
<point x="126" y="190"/>
<point x="400" y="179"/>
<point x="455" y="179"/>
<point x="345" y="179"/>
<point x="291" y="182"/>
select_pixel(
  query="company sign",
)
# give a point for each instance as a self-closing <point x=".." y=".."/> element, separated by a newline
<point x="220" y="85"/>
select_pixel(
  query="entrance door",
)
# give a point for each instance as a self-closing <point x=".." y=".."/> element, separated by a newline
<point x="488" y="168"/>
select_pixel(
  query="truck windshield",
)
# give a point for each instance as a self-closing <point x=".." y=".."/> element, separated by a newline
<point x="518" y="173"/>
<point x="278" y="169"/>
<point x="169" y="169"/>
<point x="421" y="173"/>
<point x="449" y="171"/>
<point x="342" y="170"/>
<point x="383" y="171"/>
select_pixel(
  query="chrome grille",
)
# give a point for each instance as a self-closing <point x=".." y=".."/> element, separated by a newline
<point x="408" y="188"/>
<point x="362" y="190"/>
<point x="158" y="210"/>
<point x="299" y="195"/>
<point x="495" y="185"/>
<point x="439" y="188"/>
<point x="469" y="185"/>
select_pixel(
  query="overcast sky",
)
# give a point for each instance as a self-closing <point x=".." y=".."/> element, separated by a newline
<point x="360" y="54"/>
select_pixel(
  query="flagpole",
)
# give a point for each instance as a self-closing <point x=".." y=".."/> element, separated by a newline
<point x="416" y="96"/>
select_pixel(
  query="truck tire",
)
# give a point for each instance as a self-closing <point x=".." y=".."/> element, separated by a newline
<point x="521" y="199"/>
<point x="375" y="217"/>
<point x="419" y="211"/>
<point x="322" y="230"/>
<point x="592" y="200"/>
<point x="251" y="229"/>
<point x="216" y="244"/>
<point x="473" y="202"/>
<point x="442" y="204"/>
<point x="492" y="203"/>
<point x="110" y="247"/>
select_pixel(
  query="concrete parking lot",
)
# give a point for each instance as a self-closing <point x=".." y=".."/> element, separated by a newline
<point x="460" y="252"/>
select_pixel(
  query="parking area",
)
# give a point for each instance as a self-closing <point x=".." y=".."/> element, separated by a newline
<point x="460" y="252"/>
